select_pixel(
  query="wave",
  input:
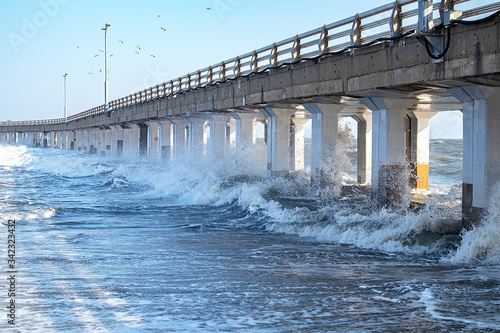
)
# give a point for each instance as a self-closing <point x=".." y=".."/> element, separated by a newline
<point x="284" y="204"/>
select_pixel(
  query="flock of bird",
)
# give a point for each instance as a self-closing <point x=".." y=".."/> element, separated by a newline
<point x="137" y="50"/>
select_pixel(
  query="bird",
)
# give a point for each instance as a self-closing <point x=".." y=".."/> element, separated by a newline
<point x="121" y="41"/>
<point x="96" y="55"/>
<point x="112" y="54"/>
<point x="163" y="29"/>
<point x="100" y="71"/>
<point x="138" y="47"/>
<point x="158" y="15"/>
<point x="153" y="56"/>
<point x="78" y="47"/>
<point x="91" y="73"/>
<point x="208" y="8"/>
<point x="19" y="57"/>
<point x="101" y="51"/>
<point x="136" y="52"/>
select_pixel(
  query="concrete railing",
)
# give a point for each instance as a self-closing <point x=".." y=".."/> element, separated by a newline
<point x="389" y="22"/>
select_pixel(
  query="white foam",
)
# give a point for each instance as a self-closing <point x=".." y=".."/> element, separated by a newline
<point x="483" y="241"/>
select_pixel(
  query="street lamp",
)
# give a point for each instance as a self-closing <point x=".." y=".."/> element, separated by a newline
<point x="65" y="100"/>
<point x="106" y="103"/>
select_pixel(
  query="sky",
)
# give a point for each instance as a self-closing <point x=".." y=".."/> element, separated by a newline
<point x="149" y="42"/>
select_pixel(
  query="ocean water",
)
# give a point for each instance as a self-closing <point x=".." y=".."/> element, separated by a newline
<point x="117" y="245"/>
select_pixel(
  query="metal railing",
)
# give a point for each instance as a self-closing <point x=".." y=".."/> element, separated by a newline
<point x="397" y="19"/>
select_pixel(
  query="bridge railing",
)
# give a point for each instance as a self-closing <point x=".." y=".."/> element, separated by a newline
<point x="387" y="22"/>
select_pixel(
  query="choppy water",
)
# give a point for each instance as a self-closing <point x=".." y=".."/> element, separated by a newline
<point x="125" y="246"/>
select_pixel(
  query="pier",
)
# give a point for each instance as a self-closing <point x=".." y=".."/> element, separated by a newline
<point x="391" y="69"/>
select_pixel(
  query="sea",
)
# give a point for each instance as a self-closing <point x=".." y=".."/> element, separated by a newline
<point x="134" y="245"/>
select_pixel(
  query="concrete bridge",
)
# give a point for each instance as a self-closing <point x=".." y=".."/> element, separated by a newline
<point x="391" y="69"/>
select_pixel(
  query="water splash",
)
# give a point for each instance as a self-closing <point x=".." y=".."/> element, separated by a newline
<point x="483" y="241"/>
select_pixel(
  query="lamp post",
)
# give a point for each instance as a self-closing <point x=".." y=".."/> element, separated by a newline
<point x="106" y="103"/>
<point x="65" y="100"/>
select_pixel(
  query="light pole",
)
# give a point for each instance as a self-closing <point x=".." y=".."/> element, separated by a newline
<point x="65" y="100"/>
<point x="106" y="103"/>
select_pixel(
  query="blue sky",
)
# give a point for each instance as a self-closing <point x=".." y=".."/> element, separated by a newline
<point x="41" y="40"/>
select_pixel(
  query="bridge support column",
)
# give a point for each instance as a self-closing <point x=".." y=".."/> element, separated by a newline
<point x="481" y="156"/>
<point x="278" y="140"/>
<point x="180" y="141"/>
<point x="108" y="141"/>
<point x="298" y="161"/>
<point x="114" y="140"/>
<point x="196" y="137"/>
<point x="364" y="143"/>
<point x="217" y="144"/>
<point x="390" y="171"/>
<point x="153" y="139"/>
<point x="134" y="140"/>
<point x="325" y="124"/>
<point x="419" y="137"/>
<point x="165" y="139"/>
<point x="126" y="141"/>
<point x="244" y="129"/>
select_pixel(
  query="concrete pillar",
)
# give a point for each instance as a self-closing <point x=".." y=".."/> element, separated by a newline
<point x="244" y="128"/>
<point x="126" y="141"/>
<point x="153" y="139"/>
<point x="325" y="127"/>
<point x="217" y="144"/>
<point x="120" y="140"/>
<point x="196" y="142"/>
<point x="108" y="141"/>
<point x="389" y="167"/>
<point x="180" y="140"/>
<point x="419" y="146"/>
<point x="231" y="136"/>
<point x="364" y="144"/>
<point x="114" y="139"/>
<point x="481" y="156"/>
<point x="134" y="144"/>
<point x="278" y="139"/>
<point x="298" y="161"/>
<point x="165" y="139"/>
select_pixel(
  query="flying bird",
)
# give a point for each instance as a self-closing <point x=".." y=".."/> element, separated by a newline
<point x="138" y="47"/>
<point x="158" y="15"/>
<point x="96" y="55"/>
<point x="91" y="73"/>
<point x="163" y="29"/>
<point x="111" y="54"/>
<point x="208" y="8"/>
<point x="121" y="41"/>
<point x="153" y="56"/>
<point x="136" y="52"/>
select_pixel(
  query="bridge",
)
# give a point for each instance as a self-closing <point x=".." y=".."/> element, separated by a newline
<point x="391" y="69"/>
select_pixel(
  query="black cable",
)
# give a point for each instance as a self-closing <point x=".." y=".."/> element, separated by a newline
<point x="439" y="56"/>
<point x="484" y="19"/>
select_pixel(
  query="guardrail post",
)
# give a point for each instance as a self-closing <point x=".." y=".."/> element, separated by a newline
<point x="323" y="41"/>
<point x="425" y="23"/>
<point x="222" y="71"/>
<point x="198" y="79"/>
<point x="210" y="75"/>
<point x="273" y="57"/>
<point x="237" y="67"/>
<point x="396" y="24"/>
<point x="296" y="49"/>
<point x="356" y="32"/>
<point x="254" y="66"/>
